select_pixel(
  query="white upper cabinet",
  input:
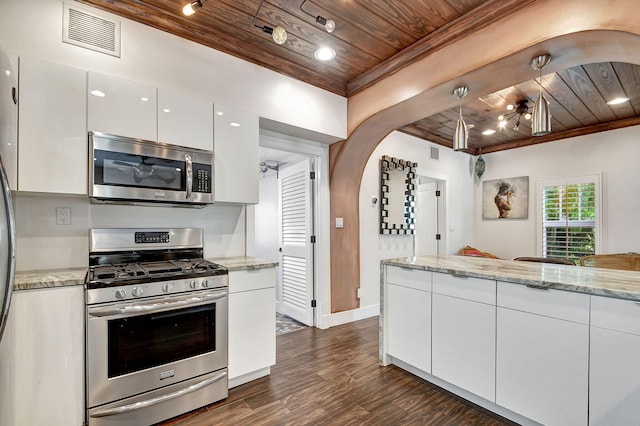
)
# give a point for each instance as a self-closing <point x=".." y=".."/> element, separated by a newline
<point x="52" y="128"/>
<point x="122" y="107"/>
<point x="9" y="117"/>
<point x="185" y="121"/>
<point x="236" y="137"/>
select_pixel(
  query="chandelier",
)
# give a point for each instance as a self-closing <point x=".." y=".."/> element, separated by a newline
<point x="519" y="111"/>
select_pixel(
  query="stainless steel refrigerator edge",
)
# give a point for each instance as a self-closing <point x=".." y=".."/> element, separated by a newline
<point x="8" y="135"/>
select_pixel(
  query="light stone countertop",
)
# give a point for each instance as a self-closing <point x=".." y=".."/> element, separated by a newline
<point x="30" y="280"/>
<point x="597" y="281"/>
<point x="49" y="278"/>
<point x="242" y="263"/>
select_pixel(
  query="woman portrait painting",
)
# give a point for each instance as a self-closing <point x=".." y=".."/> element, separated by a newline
<point x="505" y="198"/>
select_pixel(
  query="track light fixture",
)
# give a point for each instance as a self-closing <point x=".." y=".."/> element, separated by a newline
<point x="191" y="8"/>
<point x="541" y="120"/>
<point x="328" y="24"/>
<point x="461" y="135"/>
<point x="278" y="34"/>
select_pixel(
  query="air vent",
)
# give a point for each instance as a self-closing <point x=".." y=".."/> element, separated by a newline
<point x="91" y="31"/>
<point x="435" y="153"/>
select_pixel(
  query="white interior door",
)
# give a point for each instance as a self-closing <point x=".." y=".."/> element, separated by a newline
<point x="427" y="219"/>
<point x="296" y="260"/>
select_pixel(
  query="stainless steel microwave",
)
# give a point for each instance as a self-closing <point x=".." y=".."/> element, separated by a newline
<point x="128" y="170"/>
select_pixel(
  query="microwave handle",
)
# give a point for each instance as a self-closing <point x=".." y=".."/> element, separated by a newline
<point x="187" y="159"/>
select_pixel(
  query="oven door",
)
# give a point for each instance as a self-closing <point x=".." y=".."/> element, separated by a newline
<point x="142" y="345"/>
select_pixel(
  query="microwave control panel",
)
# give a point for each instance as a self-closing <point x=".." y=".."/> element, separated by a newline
<point x="201" y="178"/>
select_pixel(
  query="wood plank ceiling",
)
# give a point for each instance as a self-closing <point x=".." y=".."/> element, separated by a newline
<point x="376" y="37"/>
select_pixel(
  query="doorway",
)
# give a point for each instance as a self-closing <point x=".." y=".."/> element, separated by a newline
<point x="284" y="227"/>
<point x="430" y="217"/>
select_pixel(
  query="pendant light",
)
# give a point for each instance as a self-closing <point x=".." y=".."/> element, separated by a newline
<point x="462" y="133"/>
<point x="541" y="119"/>
<point x="480" y="165"/>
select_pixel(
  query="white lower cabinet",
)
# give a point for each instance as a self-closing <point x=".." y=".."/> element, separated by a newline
<point x="543" y="354"/>
<point x="252" y="324"/>
<point x="42" y="362"/>
<point x="464" y="344"/>
<point x="407" y="316"/>
<point x="464" y="324"/>
<point x="614" y="377"/>
<point x="409" y="325"/>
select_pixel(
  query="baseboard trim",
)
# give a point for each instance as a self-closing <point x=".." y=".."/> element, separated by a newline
<point x="245" y="378"/>
<point x="331" y="320"/>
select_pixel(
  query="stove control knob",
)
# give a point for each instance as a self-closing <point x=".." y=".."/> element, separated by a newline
<point x="193" y="284"/>
<point x="167" y="288"/>
<point x="121" y="293"/>
<point x="137" y="291"/>
<point x="205" y="283"/>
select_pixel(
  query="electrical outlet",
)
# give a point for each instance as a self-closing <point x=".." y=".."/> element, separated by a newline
<point x="358" y="293"/>
<point x="63" y="215"/>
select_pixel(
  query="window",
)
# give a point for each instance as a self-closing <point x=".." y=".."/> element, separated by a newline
<point x="570" y="217"/>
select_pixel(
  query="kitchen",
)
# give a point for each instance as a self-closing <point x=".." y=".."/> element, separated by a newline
<point x="198" y="72"/>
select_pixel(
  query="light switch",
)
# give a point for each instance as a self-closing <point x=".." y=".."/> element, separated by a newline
<point x="339" y="222"/>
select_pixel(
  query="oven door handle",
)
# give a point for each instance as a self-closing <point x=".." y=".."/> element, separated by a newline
<point x="153" y="401"/>
<point x="157" y="307"/>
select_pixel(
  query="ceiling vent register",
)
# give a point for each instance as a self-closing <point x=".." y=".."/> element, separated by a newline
<point x="91" y="31"/>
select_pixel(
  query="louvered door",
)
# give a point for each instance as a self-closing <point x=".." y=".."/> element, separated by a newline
<point x="296" y="285"/>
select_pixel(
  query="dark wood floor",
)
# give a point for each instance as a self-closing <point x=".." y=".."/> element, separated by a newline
<point x="332" y="377"/>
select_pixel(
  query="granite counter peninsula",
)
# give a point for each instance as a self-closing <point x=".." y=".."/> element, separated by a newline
<point x="537" y="343"/>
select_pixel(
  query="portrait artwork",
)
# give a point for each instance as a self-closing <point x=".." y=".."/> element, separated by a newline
<point x="506" y="198"/>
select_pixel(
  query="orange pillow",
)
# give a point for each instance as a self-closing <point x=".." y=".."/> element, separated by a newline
<point x="471" y="251"/>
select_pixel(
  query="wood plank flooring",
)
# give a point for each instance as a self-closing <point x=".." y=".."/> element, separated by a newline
<point x="332" y="377"/>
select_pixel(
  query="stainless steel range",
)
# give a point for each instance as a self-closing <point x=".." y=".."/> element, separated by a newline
<point x="156" y="334"/>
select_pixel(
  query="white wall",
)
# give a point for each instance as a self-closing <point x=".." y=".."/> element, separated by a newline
<point x="34" y="28"/>
<point x="44" y="245"/>
<point x="453" y="167"/>
<point x="615" y="154"/>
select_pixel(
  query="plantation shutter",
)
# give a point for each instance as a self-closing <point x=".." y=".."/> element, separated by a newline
<point x="570" y="217"/>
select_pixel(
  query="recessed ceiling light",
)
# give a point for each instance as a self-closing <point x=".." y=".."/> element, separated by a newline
<point x="144" y="99"/>
<point x="488" y="132"/>
<point x="325" y="54"/>
<point x="617" y="101"/>
<point x="510" y="107"/>
<point x="7" y="72"/>
<point x="234" y="124"/>
<point x="166" y="110"/>
<point x="97" y="93"/>
<point x="220" y="112"/>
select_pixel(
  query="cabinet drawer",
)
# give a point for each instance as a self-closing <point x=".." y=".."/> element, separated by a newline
<point x="470" y="288"/>
<point x="615" y="314"/>
<point x="409" y="277"/>
<point x="548" y="302"/>
<point x="251" y="279"/>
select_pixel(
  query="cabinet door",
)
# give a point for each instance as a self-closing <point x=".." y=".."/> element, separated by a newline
<point x="236" y="135"/>
<point x="52" y="128"/>
<point x="252" y="328"/>
<point x="541" y="367"/>
<point x="122" y="107"/>
<point x="47" y="358"/>
<point x="9" y="117"/>
<point x="407" y="314"/>
<point x="185" y="121"/>
<point x="464" y="344"/>
<point x="614" y="379"/>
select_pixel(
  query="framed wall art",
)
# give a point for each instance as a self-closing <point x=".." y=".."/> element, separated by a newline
<point x="506" y="198"/>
